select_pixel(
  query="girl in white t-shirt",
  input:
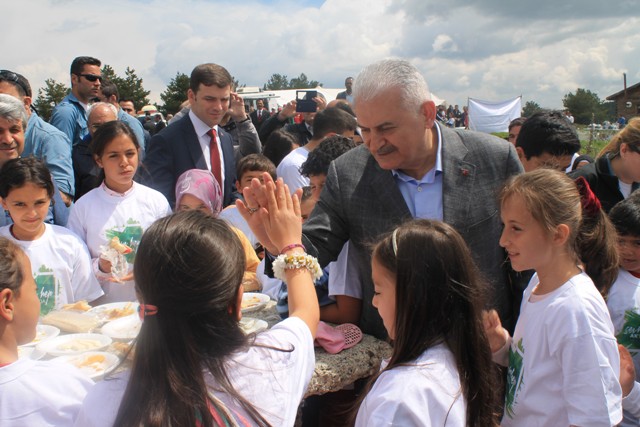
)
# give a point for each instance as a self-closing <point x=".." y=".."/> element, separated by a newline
<point x="32" y="393"/>
<point x="430" y="297"/>
<point x="60" y="260"/>
<point x="563" y="360"/>
<point x="193" y="365"/>
<point x="119" y="208"/>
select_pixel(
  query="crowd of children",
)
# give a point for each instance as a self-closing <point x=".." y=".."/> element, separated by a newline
<point x="193" y="365"/>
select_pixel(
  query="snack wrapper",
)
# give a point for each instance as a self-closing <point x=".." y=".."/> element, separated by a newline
<point x="115" y="252"/>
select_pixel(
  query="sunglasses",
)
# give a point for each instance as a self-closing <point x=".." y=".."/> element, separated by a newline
<point x="91" y="77"/>
<point x="14" y="78"/>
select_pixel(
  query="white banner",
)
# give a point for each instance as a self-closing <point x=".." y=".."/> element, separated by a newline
<point x="488" y="116"/>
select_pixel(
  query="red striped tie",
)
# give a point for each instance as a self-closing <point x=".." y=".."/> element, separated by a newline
<point x="214" y="154"/>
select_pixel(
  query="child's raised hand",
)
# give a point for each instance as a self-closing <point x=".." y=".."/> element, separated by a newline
<point x="627" y="371"/>
<point x="282" y="218"/>
<point x="254" y="198"/>
<point x="496" y="334"/>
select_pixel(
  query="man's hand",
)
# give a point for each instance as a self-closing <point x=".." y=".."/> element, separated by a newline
<point x="320" y="102"/>
<point x="236" y="107"/>
<point x="288" y="111"/>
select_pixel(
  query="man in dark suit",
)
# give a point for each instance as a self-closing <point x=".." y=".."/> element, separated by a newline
<point x="260" y="115"/>
<point x="408" y="166"/>
<point x="195" y="141"/>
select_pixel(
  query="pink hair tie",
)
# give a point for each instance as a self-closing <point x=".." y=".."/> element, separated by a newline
<point x="145" y="310"/>
<point x="293" y="246"/>
<point x="590" y="203"/>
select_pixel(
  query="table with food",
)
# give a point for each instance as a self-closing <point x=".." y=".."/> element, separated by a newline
<point x="97" y="340"/>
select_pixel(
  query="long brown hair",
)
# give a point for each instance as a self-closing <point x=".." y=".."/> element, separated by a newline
<point x="190" y="266"/>
<point x="439" y="299"/>
<point x="629" y="135"/>
<point x="553" y="199"/>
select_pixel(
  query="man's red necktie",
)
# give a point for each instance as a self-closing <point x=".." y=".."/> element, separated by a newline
<point x="216" y="168"/>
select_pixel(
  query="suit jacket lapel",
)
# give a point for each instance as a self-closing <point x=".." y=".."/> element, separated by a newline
<point x="458" y="179"/>
<point x="192" y="143"/>
<point x="384" y="186"/>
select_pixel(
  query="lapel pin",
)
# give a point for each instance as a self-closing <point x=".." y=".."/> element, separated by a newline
<point x="465" y="172"/>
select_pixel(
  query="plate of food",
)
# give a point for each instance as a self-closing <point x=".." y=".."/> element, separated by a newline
<point x="114" y="310"/>
<point x="123" y="329"/>
<point x="81" y="305"/>
<point x="43" y="333"/>
<point x="250" y="325"/>
<point x="253" y="301"/>
<point x="72" y="321"/>
<point x="94" y="364"/>
<point x="65" y="345"/>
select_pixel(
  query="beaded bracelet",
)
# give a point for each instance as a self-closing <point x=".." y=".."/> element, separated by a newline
<point x="293" y="246"/>
<point x="296" y="261"/>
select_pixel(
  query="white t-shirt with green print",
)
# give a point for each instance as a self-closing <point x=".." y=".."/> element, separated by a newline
<point x="61" y="267"/>
<point x="102" y="214"/>
<point x="563" y="361"/>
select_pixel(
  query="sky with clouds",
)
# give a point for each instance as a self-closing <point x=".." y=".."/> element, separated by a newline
<point x="485" y="49"/>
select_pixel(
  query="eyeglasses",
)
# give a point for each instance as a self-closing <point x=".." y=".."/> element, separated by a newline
<point x="14" y="78"/>
<point x="91" y="77"/>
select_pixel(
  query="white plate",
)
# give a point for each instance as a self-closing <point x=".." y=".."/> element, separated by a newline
<point x="30" y="353"/>
<point x="66" y="345"/>
<point x="253" y="301"/>
<point x="250" y="325"/>
<point x="102" y="364"/>
<point x="109" y="312"/>
<point x="123" y="329"/>
<point x="43" y="333"/>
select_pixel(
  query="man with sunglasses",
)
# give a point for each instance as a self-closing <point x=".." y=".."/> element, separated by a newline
<point x="70" y="116"/>
<point x="42" y="140"/>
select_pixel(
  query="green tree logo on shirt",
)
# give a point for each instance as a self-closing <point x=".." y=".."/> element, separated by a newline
<point x="47" y="289"/>
<point x="629" y="335"/>
<point x="514" y="377"/>
<point x="129" y="235"/>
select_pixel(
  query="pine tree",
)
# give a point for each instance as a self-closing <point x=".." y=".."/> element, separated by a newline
<point x="175" y="94"/>
<point x="49" y="97"/>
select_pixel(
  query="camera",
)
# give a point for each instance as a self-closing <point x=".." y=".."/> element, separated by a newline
<point x="305" y="102"/>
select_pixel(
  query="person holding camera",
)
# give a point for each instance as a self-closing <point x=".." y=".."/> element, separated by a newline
<point x="302" y="131"/>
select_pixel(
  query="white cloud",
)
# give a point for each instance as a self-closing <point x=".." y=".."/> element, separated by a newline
<point x="482" y="49"/>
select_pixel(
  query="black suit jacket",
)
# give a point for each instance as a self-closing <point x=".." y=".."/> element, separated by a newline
<point x="257" y="121"/>
<point x="175" y="150"/>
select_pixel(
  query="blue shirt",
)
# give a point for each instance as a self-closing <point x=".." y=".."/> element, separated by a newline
<point x="135" y="126"/>
<point x="424" y="197"/>
<point x="70" y="117"/>
<point x="50" y="145"/>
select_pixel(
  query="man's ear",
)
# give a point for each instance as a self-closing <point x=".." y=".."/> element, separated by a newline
<point x="521" y="155"/>
<point x="74" y="79"/>
<point x="27" y="103"/>
<point x="191" y="96"/>
<point x="6" y="304"/>
<point x="428" y="110"/>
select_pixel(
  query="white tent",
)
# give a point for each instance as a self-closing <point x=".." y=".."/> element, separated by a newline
<point x="489" y="116"/>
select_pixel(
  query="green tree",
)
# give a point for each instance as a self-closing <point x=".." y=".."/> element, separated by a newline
<point x="49" y="96"/>
<point x="132" y="88"/>
<point x="302" y="82"/>
<point x="530" y="108"/>
<point x="585" y="106"/>
<point x="175" y="94"/>
<point x="129" y="87"/>
<point x="277" y="82"/>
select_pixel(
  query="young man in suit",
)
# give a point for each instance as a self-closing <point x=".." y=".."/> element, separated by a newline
<point x="195" y="141"/>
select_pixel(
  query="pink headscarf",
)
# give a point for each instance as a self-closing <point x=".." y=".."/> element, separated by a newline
<point x="202" y="184"/>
